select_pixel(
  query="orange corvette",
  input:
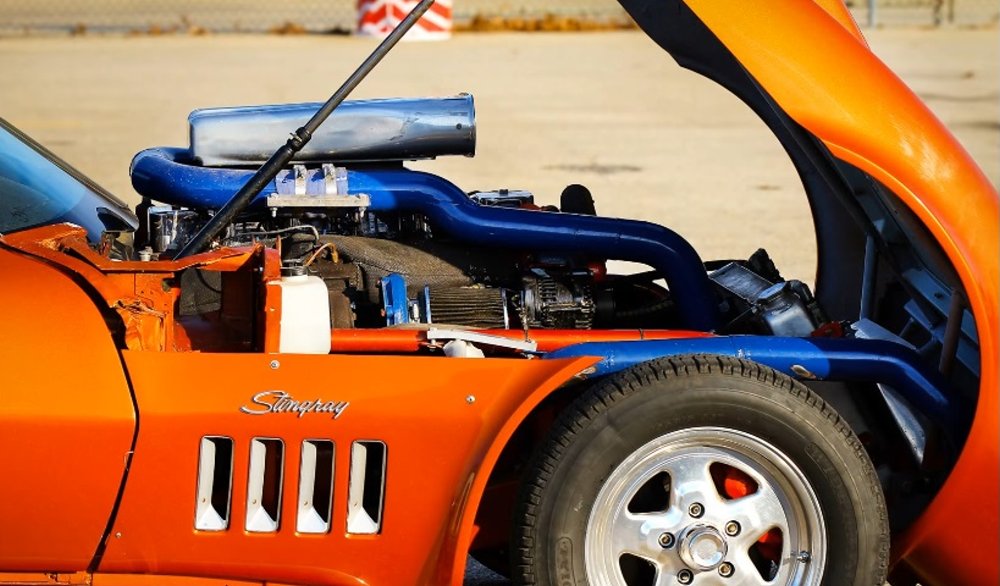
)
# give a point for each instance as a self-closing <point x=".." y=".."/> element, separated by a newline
<point x="350" y="372"/>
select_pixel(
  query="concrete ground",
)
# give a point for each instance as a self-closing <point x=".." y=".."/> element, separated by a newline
<point x="609" y="110"/>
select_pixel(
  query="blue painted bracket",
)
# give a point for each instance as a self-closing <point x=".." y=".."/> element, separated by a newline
<point x="394" y="300"/>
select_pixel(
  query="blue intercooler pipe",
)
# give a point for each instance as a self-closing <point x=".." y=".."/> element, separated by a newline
<point x="830" y="359"/>
<point x="162" y="174"/>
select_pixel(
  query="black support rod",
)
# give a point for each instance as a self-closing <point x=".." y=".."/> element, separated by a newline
<point x="269" y="170"/>
<point x="952" y="333"/>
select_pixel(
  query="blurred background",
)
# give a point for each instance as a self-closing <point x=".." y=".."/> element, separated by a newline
<point x="324" y="16"/>
<point x="584" y="98"/>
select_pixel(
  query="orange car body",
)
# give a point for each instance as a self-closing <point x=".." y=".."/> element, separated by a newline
<point x="896" y="139"/>
<point x="100" y="440"/>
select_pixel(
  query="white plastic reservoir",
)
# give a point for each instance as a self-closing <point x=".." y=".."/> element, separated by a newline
<point x="305" y="313"/>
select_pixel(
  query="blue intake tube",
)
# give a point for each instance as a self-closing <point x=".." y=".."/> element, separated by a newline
<point x="833" y="359"/>
<point x="164" y="174"/>
<point x="161" y="174"/>
<point x="451" y="211"/>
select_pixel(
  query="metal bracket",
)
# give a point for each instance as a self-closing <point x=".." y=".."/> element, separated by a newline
<point x="442" y="334"/>
<point x="323" y="187"/>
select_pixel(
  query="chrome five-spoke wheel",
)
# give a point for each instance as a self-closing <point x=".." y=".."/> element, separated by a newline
<point x="706" y="505"/>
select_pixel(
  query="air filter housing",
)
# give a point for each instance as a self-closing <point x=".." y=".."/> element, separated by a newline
<point x="383" y="130"/>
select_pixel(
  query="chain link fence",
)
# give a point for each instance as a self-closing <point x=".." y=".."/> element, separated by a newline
<point x="258" y="16"/>
<point x="168" y="16"/>
<point x="873" y="13"/>
<point x="339" y="16"/>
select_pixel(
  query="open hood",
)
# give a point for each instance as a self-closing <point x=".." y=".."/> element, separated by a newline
<point x="854" y="132"/>
<point x="805" y="69"/>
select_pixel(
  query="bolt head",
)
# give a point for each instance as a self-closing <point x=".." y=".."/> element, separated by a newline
<point x="803" y="556"/>
<point x="275" y="364"/>
<point x="685" y="576"/>
<point x="726" y="569"/>
<point x="666" y="540"/>
<point x="732" y="528"/>
<point x="696" y="510"/>
<point x="470" y="399"/>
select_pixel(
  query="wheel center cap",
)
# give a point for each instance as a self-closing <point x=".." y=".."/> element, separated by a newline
<point x="702" y="547"/>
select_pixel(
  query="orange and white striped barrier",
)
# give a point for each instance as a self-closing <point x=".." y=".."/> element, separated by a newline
<point x="377" y="18"/>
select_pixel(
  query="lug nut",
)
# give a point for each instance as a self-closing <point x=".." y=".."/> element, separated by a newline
<point x="666" y="540"/>
<point x="732" y="528"/>
<point x="685" y="576"/>
<point x="726" y="569"/>
<point x="696" y="510"/>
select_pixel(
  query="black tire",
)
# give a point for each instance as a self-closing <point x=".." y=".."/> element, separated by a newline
<point x="753" y="418"/>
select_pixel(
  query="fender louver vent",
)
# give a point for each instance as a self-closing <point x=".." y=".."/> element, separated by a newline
<point x="267" y="458"/>
<point x="215" y="479"/>
<point x="315" y="487"/>
<point x="366" y="491"/>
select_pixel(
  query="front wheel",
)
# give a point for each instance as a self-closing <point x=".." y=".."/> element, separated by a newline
<point x="701" y="470"/>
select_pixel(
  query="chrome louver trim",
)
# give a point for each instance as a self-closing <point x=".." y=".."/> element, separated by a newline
<point x="214" y="485"/>
<point x="316" y="486"/>
<point x="366" y="488"/>
<point x="316" y="474"/>
<point x="264" y="484"/>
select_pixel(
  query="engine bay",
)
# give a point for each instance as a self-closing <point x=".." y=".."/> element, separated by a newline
<point x="400" y="249"/>
<point x="378" y="258"/>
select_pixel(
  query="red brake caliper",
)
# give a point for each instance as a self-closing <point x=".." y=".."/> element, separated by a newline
<point x="736" y="484"/>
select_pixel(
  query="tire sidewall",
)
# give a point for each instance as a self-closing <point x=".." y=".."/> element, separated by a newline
<point x="833" y="467"/>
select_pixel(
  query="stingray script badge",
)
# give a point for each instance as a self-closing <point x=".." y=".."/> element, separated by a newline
<point x="281" y="402"/>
